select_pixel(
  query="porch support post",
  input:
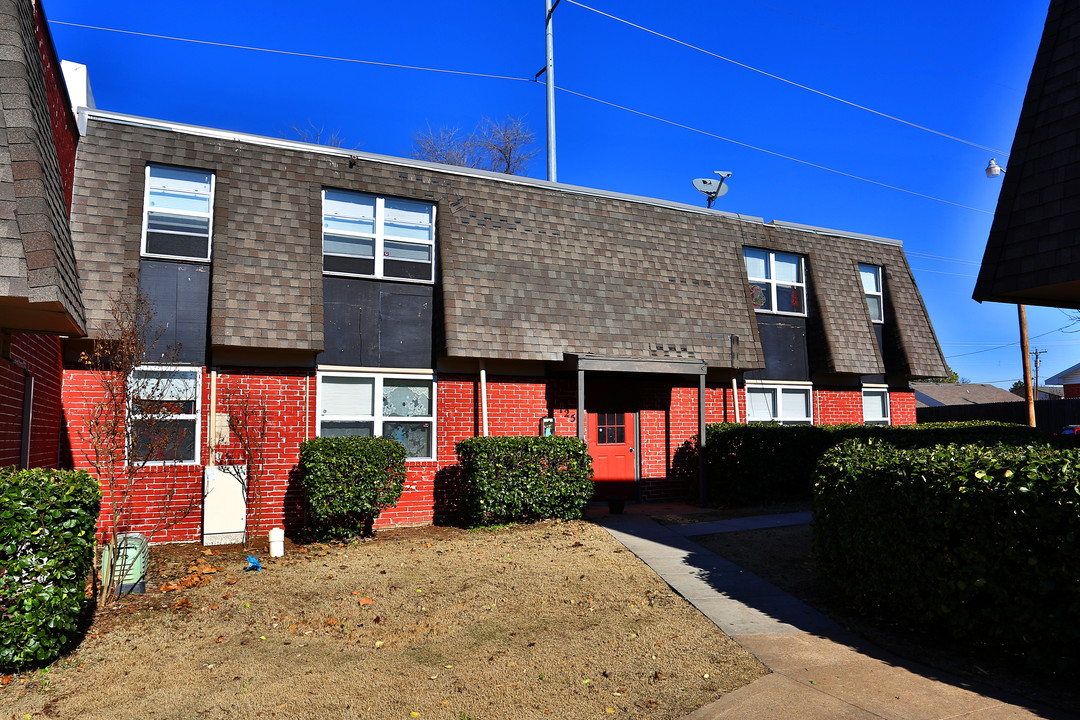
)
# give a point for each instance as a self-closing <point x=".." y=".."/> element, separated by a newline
<point x="581" y="405"/>
<point x="703" y="487"/>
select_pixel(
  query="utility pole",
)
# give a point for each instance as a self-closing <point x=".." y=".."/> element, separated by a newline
<point x="1021" y="310"/>
<point x="1037" y="352"/>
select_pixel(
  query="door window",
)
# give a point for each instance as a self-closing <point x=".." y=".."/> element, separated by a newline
<point x="610" y="428"/>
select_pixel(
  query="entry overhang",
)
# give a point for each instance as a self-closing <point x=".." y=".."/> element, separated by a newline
<point x="660" y="366"/>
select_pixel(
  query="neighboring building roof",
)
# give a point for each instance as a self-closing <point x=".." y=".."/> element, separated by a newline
<point x="1031" y="254"/>
<point x="528" y="269"/>
<point x="937" y="394"/>
<point x="1052" y="392"/>
<point x="1068" y="376"/>
<point x="39" y="284"/>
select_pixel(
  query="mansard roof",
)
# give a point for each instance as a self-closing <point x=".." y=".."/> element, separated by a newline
<point x="528" y="269"/>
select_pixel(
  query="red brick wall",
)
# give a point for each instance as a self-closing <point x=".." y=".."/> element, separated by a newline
<point x="38" y="355"/>
<point x="838" y="406"/>
<point x="288" y="397"/>
<point x="902" y="407"/>
<point x="1072" y="391"/>
<point x="12" y="382"/>
<point x="667" y="423"/>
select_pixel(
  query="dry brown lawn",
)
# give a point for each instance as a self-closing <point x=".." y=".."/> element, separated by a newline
<point x="549" y="620"/>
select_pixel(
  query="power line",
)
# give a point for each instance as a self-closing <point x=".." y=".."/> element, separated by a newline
<point x="943" y="258"/>
<point x="770" y="152"/>
<point x="887" y="46"/>
<point x="1016" y="342"/>
<point x="942" y="272"/>
<point x="789" y="82"/>
<point x="509" y="77"/>
<point x="290" y="52"/>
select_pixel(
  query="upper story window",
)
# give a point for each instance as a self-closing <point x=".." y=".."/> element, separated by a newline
<point x="378" y="237"/>
<point x="401" y="407"/>
<point x="178" y="213"/>
<point x="875" y="296"/>
<point x="163" y="414"/>
<point x="784" y="404"/>
<point x="777" y="281"/>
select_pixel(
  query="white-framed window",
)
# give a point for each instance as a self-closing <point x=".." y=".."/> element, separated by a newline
<point x="777" y="281"/>
<point x="784" y="404"/>
<point x="401" y="407"/>
<point x="178" y="210"/>
<point x="378" y="237"/>
<point x="870" y="275"/>
<point x="163" y="414"/>
<point x="875" y="403"/>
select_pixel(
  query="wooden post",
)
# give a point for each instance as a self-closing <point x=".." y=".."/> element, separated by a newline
<point x="581" y="405"/>
<point x="1022" y="312"/>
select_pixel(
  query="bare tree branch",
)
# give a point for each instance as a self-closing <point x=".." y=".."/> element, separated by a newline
<point x="127" y="425"/>
<point x="505" y="146"/>
<point x="316" y="135"/>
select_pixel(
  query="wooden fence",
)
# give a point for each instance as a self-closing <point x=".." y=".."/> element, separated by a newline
<point x="1050" y="415"/>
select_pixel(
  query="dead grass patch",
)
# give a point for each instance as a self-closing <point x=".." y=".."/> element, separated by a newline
<point x="548" y="620"/>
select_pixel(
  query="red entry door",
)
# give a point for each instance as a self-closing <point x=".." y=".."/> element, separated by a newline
<point x="611" y="444"/>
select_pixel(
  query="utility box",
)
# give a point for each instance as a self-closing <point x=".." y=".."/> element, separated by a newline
<point x="224" y="504"/>
<point x="132" y="559"/>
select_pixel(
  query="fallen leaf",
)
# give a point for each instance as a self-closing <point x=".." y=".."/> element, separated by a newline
<point x="207" y="552"/>
<point x="221" y="638"/>
<point x="6" y="680"/>
<point x="213" y="606"/>
<point x="231" y="581"/>
<point x="365" y="601"/>
<point x="378" y="643"/>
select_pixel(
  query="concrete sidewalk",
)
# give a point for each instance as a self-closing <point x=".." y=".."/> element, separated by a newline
<point x="819" y="670"/>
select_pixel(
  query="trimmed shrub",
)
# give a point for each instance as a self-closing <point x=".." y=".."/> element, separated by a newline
<point x="980" y="542"/>
<point x="47" y="523"/>
<point x="757" y="463"/>
<point x="347" y="482"/>
<point x="514" y="479"/>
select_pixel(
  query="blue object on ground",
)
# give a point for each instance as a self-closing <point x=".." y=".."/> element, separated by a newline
<point x="253" y="564"/>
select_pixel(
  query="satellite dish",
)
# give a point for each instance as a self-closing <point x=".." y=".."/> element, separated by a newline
<point x="712" y="188"/>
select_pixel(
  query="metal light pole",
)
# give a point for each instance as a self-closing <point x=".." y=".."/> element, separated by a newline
<point x="550" y="79"/>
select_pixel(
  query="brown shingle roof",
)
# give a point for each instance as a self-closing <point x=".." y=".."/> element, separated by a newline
<point x="1032" y="255"/>
<point x="39" y="285"/>
<point x="528" y="270"/>
<point x="935" y="394"/>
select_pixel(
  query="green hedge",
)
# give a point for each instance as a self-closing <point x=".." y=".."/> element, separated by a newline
<point x="511" y="479"/>
<point x="47" y="522"/>
<point x="758" y="463"/>
<point x="347" y="482"/>
<point x="980" y="542"/>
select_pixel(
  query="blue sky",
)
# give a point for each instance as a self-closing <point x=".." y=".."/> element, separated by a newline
<point x="959" y="68"/>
